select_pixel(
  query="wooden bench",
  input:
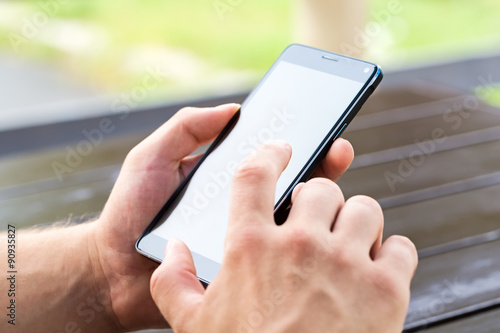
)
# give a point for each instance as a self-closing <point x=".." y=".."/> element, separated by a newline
<point x="427" y="152"/>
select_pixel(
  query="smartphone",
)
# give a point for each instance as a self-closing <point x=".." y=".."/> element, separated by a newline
<point x="308" y="97"/>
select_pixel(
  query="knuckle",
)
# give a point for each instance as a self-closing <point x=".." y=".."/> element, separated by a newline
<point x="153" y="285"/>
<point x="299" y="239"/>
<point x="185" y="110"/>
<point x="367" y="202"/>
<point x="275" y="148"/>
<point x="251" y="171"/>
<point x="387" y="284"/>
<point x="139" y="157"/>
<point x="183" y="119"/>
<point x="297" y="244"/>
<point x="324" y="184"/>
<point x="404" y="242"/>
<point x="134" y="156"/>
<point x="156" y="285"/>
<point x="406" y="249"/>
<point x="342" y="257"/>
<point x="246" y="240"/>
<point x="135" y="151"/>
<point x="382" y="279"/>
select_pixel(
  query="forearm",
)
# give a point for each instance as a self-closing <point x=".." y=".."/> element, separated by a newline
<point x="57" y="287"/>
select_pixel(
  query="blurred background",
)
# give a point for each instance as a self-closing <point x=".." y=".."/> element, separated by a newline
<point x="57" y="55"/>
<point x="83" y="81"/>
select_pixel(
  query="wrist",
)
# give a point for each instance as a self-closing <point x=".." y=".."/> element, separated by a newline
<point x="101" y="297"/>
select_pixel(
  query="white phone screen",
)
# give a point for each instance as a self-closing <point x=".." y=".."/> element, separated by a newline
<point x="294" y="103"/>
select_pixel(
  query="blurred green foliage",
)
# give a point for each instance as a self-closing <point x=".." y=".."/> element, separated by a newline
<point x="245" y="36"/>
<point x="445" y="21"/>
<point x="489" y="94"/>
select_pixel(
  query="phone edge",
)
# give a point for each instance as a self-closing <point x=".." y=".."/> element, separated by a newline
<point x="321" y="151"/>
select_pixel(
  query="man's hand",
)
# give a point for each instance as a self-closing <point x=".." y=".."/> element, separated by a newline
<point x="89" y="278"/>
<point x="151" y="173"/>
<point x="324" y="269"/>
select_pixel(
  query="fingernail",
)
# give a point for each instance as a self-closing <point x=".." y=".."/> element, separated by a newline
<point x="298" y="186"/>
<point x="296" y="190"/>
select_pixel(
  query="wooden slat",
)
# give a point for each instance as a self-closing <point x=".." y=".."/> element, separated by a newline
<point x="413" y="150"/>
<point x="433" y="222"/>
<point x="391" y="136"/>
<point x="57" y="204"/>
<point x="34" y="166"/>
<point x="454" y="283"/>
<point x="436" y="169"/>
<point x="405" y="113"/>
<point x="146" y="120"/>
<point x="460" y="244"/>
<point x="486" y="322"/>
<point x="40" y="197"/>
<point x="439" y="191"/>
<point x="382" y="100"/>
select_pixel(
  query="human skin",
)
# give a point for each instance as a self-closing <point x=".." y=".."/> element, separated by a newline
<point x="324" y="270"/>
<point x="89" y="278"/>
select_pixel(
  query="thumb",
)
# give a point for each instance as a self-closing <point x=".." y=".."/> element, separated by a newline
<point x="175" y="287"/>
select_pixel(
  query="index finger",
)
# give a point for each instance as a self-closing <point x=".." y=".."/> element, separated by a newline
<point x="254" y="184"/>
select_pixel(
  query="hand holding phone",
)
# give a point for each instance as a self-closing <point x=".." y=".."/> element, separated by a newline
<point x="323" y="270"/>
<point x="307" y="98"/>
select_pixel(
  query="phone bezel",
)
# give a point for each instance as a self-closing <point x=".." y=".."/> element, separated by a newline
<point x="306" y="56"/>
